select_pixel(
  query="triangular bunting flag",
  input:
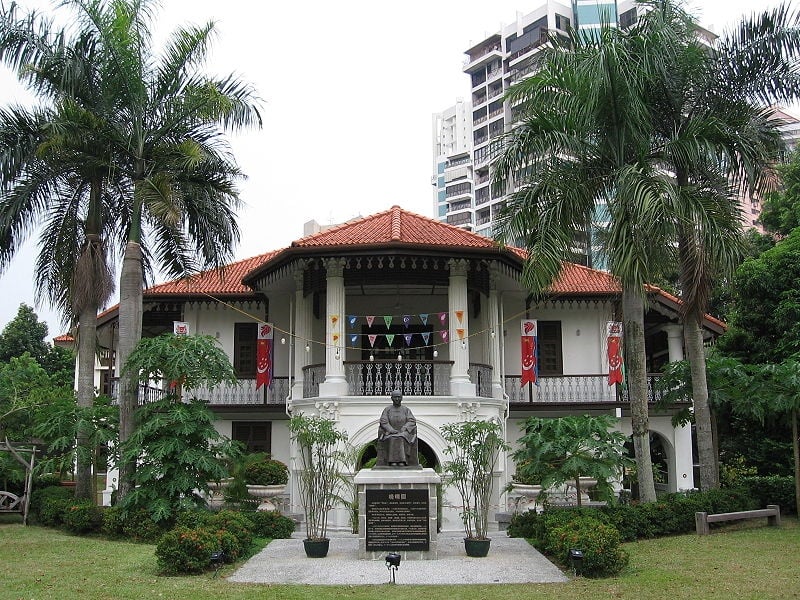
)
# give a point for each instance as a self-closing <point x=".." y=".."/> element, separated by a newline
<point x="390" y="338"/>
<point x="424" y="318"/>
<point x="335" y="337"/>
<point x="370" y="319"/>
<point x="460" y="316"/>
<point x="443" y="318"/>
<point x="426" y="336"/>
<point x="352" y="320"/>
<point x="388" y="320"/>
<point x="444" y="335"/>
<point x="406" y="320"/>
<point x="460" y="333"/>
<point x="408" y="337"/>
<point x="372" y="337"/>
<point x="334" y="320"/>
<point x="354" y="339"/>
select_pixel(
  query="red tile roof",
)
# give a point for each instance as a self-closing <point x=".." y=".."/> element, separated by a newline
<point x="223" y="281"/>
<point x="395" y="226"/>
<point x="64" y="338"/>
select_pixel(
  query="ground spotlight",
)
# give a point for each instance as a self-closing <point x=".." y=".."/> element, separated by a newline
<point x="392" y="563"/>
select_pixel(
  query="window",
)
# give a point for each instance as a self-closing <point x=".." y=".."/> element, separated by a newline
<point x="244" y="349"/>
<point x="255" y="435"/>
<point x="562" y="22"/>
<point x="550" y="359"/>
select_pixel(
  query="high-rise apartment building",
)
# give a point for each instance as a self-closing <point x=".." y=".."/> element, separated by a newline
<point x="463" y="194"/>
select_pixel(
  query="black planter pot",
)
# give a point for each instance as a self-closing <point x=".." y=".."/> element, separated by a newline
<point x="477" y="548"/>
<point x="316" y="548"/>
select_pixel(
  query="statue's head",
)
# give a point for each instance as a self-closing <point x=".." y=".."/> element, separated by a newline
<point x="397" y="397"/>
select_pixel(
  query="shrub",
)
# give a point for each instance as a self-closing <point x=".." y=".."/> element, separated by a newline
<point x="113" y="521"/>
<point x="48" y="504"/>
<point x="772" y="489"/>
<point x="600" y="544"/>
<point x="138" y="525"/>
<point x="82" y="517"/>
<point x="193" y="518"/>
<point x="42" y="495"/>
<point x="266" y="472"/>
<point x="235" y="523"/>
<point x="184" y="550"/>
<point x="271" y="524"/>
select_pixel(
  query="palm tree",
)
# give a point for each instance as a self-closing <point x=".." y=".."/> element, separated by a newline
<point x="582" y="141"/>
<point x="714" y="132"/>
<point x="53" y="177"/>
<point x="160" y="125"/>
<point x="166" y="135"/>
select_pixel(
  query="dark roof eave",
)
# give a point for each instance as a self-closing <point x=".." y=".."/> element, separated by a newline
<point x="293" y="253"/>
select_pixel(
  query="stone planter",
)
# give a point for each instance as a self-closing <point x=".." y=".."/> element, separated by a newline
<point x="584" y="483"/>
<point x="266" y="493"/>
<point x="217" y="491"/>
<point x="529" y="493"/>
<point x="476" y="548"/>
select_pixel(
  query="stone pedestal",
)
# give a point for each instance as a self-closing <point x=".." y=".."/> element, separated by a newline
<point x="392" y="515"/>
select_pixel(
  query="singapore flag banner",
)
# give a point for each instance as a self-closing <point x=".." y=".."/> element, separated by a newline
<point x="530" y="364"/>
<point x="264" y="354"/>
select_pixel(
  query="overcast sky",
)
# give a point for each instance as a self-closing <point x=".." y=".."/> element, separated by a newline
<point x="348" y="87"/>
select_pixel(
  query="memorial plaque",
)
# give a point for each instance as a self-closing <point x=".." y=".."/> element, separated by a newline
<point x="397" y="519"/>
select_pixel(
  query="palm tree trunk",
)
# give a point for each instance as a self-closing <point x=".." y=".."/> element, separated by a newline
<point x="636" y="373"/>
<point x="709" y="474"/>
<point x="130" y="332"/>
<point x="86" y="361"/>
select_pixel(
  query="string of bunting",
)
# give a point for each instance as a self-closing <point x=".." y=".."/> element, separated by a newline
<point x="407" y="319"/>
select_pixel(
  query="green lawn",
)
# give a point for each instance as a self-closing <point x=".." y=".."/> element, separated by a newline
<point x="747" y="562"/>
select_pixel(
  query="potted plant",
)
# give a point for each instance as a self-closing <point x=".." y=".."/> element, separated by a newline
<point x="319" y="476"/>
<point x="265" y="478"/>
<point x="581" y="451"/>
<point x="473" y="448"/>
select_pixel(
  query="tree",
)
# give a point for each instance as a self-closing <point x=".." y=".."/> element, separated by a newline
<point x="713" y="132"/>
<point x="583" y="140"/>
<point x="781" y="211"/>
<point x="57" y="175"/>
<point x="564" y="449"/>
<point x="175" y="445"/>
<point x="162" y="131"/>
<point x="764" y="323"/>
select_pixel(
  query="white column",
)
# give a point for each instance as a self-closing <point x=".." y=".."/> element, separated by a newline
<point x="682" y="457"/>
<point x="674" y="342"/>
<point x="460" y="384"/>
<point x="335" y="383"/>
<point x="495" y="335"/>
<point x="302" y="334"/>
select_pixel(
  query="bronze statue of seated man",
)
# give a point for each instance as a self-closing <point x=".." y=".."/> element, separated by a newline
<point x="397" y="435"/>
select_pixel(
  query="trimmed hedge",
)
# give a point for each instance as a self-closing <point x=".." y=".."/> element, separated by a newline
<point x="184" y="550"/>
<point x="671" y="515"/>
<point x="82" y="517"/>
<point x="772" y="489"/>
<point x="271" y="524"/>
<point x="48" y="504"/>
<point x="600" y="544"/>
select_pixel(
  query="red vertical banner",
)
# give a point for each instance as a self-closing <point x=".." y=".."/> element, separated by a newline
<point x="530" y="364"/>
<point x="614" y="352"/>
<point x="264" y="347"/>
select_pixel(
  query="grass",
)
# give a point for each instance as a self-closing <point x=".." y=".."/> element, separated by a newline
<point x="739" y="562"/>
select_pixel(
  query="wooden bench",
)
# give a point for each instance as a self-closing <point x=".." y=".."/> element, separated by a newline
<point x="772" y="513"/>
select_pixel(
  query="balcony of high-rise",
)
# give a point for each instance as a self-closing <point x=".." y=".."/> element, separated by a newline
<point x="480" y="55"/>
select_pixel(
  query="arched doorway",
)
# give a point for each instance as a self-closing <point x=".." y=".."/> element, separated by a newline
<point x="659" y="456"/>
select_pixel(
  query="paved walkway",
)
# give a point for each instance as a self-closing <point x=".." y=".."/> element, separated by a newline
<point x="510" y="560"/>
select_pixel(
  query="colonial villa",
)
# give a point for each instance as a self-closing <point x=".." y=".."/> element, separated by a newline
<point x="398" y="300"/>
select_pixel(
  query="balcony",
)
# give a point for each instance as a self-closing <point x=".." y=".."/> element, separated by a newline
<point x="568" y="389"/>
<point x="242" y="392"/>
<point x="414" y="378"/>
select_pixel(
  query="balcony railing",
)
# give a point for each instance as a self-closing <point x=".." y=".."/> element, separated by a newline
<point x="574" y="389"/>
<point x="243" y="392"/>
